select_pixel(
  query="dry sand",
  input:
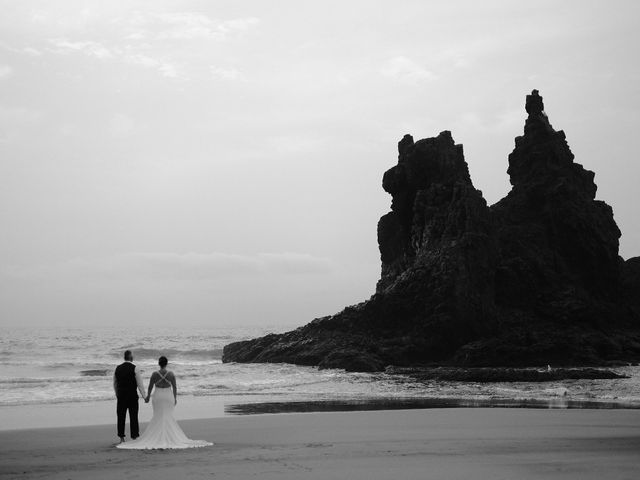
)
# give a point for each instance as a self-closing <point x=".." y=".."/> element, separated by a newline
<point x="398" y="445"/>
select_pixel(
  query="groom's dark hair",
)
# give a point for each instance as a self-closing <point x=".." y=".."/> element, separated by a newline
<point x="162" y="361"/>
<point x="128" y="355"/>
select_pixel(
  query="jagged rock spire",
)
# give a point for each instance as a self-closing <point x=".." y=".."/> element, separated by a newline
<point x="534" y="105"/>
<point x="537" y="122"/>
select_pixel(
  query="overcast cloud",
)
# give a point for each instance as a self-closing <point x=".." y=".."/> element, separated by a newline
<point x="159" y="160"/>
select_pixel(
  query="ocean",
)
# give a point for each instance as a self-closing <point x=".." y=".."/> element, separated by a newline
<point x="54" y="366"/>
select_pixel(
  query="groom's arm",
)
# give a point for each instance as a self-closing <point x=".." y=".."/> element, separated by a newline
<point x="139" y="382"/>
<point x="115" y="384"/>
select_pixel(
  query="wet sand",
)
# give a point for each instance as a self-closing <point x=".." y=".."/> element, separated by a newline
<point x="464" y="443"/>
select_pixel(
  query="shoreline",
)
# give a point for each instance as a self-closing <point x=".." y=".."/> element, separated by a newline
<point x="97" y="413"/>
<point x="100" y="413"/>
<point x="408" y="444"/>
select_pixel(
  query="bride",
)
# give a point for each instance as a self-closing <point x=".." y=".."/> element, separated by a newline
<point x="163" y="431"/>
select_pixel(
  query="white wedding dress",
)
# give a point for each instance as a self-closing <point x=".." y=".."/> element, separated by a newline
<point x="163" y="431"/>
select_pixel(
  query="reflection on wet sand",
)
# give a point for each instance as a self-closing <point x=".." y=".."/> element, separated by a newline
<point x="412" y="403"/>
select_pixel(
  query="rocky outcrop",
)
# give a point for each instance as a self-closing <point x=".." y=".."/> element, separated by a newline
<point x="532" y="280"/>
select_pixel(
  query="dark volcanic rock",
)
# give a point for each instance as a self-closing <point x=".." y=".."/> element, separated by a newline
<point x="534" y="279"/>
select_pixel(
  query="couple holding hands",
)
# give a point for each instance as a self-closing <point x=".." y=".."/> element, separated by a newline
<point x="163" y="431"/>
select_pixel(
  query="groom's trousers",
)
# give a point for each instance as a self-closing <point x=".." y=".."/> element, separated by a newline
<point x="130" y="404"/>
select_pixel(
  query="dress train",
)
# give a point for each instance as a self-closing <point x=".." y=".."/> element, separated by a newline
<point x="163" y="430"/>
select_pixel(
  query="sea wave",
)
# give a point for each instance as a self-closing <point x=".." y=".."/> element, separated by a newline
<point x="56" y="401"/>
<point x="217" y="386"/>
<point x="26" y="382"/>
<point x="172" y="353"/>
<point x="94" y="372"/>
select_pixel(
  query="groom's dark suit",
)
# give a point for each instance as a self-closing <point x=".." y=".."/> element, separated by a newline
<point x="126" y="386"/>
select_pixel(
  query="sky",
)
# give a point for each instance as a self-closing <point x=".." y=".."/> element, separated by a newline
<point x="219" y="163"/>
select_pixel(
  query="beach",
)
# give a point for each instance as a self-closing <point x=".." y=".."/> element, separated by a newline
<point x="454" y="443"/>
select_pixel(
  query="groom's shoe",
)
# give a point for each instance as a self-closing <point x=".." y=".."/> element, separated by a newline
<point x="121" y="439"/>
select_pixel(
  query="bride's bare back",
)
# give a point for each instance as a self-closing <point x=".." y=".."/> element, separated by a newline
<point x="163" y="379"/>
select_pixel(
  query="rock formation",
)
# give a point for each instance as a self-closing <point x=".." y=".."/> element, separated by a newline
<point x="532" y="280"/>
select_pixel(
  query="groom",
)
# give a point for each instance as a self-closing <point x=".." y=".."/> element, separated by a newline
<point x="126" y="380"/>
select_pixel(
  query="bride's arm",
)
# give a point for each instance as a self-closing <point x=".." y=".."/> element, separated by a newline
<point x="174" y="386"/>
